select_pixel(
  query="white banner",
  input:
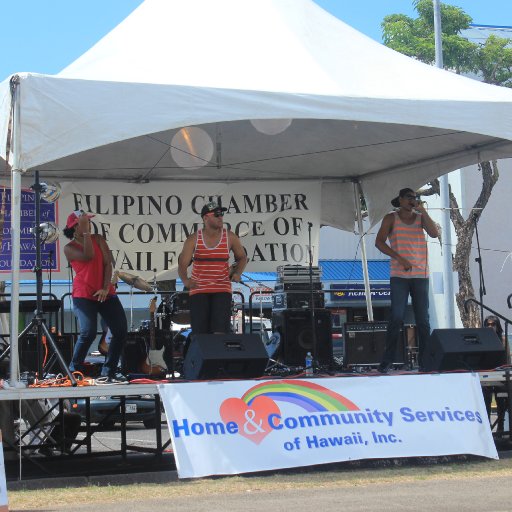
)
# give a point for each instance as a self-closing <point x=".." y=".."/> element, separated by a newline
<point x="244" y="426"/>
<point x="3" y="484"/>
<point x="146" y="224"/>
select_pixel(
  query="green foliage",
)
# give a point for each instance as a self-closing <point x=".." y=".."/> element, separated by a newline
<point x="415" y="37"/>
<point x="495" y="61"/>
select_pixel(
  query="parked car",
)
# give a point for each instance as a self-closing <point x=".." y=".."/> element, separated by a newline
<point x="106" y="410"/>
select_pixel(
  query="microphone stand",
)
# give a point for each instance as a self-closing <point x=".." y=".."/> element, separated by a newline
<point x="481" y="289"/>
<point x="312" y="299"/>
<point x="38" y="321"/>
<point x="50" y="263"/>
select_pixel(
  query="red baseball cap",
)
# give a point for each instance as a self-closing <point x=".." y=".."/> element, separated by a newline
<point x="73" y="218"/>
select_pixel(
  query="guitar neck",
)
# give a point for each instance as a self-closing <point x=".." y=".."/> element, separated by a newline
<point x="152" y="340"/>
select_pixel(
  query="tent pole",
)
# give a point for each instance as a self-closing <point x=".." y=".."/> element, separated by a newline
<point x="364" y="261"/>
<point x="444" y="186"/>
<point x="15" y="234"/>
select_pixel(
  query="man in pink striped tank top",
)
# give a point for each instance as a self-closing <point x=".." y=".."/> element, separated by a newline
<point x="405" y="229"/>
<point x="208" y="251"/>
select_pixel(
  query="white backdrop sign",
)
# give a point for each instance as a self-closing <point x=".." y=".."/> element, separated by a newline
<point x="146" y="224"/>
<point x="243" y="426"/>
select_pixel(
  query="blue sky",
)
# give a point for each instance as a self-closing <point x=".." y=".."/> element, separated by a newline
<point x="44" y="36"/>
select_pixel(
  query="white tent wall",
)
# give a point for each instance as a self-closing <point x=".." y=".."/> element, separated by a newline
<point x="495" y="234"/>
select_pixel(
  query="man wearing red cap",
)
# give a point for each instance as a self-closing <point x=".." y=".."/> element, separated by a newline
<point x="209" y="285"/>
<point x="93" y="294"/>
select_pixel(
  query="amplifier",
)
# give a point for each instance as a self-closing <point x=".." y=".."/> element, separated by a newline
<point x="302" y="285"/>
<point x="297" y="300"/>
<point x="365" y="343"/>
<point x="32" y="353"/>
<point x="297" y="273"/>
<point x="365" y="326"/>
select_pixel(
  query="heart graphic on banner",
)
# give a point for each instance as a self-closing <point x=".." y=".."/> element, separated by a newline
<point x="252" y="420"/>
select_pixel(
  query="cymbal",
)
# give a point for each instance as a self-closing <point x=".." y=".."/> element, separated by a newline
<point x="135" y="281"/>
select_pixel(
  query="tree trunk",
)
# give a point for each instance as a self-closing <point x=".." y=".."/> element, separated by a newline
<point x="464" y="230"/>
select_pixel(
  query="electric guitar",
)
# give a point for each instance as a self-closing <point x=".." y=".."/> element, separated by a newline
<point x="154" y="363"/>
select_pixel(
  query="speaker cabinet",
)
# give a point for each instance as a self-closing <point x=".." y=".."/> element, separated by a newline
<point x="463" y="349"/>
<point x="295" y="329"/>
<point x="31" y="353"/>
<point x="225" y="356"/>
<point x="135" y="352"/>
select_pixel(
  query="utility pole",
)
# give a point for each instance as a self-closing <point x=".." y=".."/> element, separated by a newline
<point x="445" y="197"/>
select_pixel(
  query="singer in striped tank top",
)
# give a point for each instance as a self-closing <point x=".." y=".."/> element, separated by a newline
<point x="405" y="229"/>
<point x="208" y="251"/>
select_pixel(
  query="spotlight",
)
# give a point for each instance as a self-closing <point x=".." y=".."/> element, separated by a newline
<point x="50" y="192"/>
<point x="48" y="232"/>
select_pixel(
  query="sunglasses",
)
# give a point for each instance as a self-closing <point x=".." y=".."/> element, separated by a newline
<point x="216" y="214"/>
<point x="410" y="196"/>
<point x="491" y="324"/>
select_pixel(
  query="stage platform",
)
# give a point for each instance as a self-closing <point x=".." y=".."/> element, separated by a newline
<point x="78" y="391"/>
<point x="82" y="448"/>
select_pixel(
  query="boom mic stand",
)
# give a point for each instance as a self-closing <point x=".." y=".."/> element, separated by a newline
<point x="481" y="288"/>
<point x="38" y="322"/>
<point x="312" y="299"/>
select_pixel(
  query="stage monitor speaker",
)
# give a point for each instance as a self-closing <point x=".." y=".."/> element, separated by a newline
<point x="295" y="329"/>
<point x="30" y="351"/>
<point x="463" y="349"/>
<point x="225" y="356"/>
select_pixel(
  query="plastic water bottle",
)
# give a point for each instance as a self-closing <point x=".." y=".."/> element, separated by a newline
<point x="309" y="365"/>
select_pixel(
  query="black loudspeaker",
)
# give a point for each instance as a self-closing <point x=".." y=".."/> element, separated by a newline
<point x="135" y="353"/>
<point x="463" y="349"/>
<point x="225" y="356"/>
<point x="295" y="328"/>
<point x="30" y="349"/>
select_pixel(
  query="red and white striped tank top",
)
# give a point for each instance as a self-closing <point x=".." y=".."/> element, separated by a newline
<point x="408" y="240"/>
<point x="210" y="269"/>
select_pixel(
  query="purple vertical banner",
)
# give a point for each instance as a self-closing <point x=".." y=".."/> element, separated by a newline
<point x="49" y="251"/>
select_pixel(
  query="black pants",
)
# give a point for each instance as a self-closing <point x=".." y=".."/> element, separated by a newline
<point x="210" y="313"/>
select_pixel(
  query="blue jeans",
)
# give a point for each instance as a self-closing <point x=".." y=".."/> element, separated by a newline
<point x="112" y="312"/>
<point x="400" y="289"/>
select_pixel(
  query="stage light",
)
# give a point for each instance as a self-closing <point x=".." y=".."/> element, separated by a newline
<point x="191" y="148"/>
<point x="48" y="232"/>
<point x="50" y="192"/>
<point x="271" y="126"/>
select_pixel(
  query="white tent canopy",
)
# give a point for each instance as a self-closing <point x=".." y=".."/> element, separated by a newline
<point x="360" y="111"/>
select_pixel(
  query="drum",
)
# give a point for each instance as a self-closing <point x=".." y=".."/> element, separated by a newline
<point x="180" y="309"/>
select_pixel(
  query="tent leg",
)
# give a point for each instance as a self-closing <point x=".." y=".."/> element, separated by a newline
<point x="364" y="261"/>
<point x="15" y="233"/>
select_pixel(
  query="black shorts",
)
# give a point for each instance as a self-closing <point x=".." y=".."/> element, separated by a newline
<point x="210" y="313"/>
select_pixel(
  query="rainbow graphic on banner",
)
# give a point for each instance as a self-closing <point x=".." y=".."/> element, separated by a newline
<point x="308" y="395"/>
